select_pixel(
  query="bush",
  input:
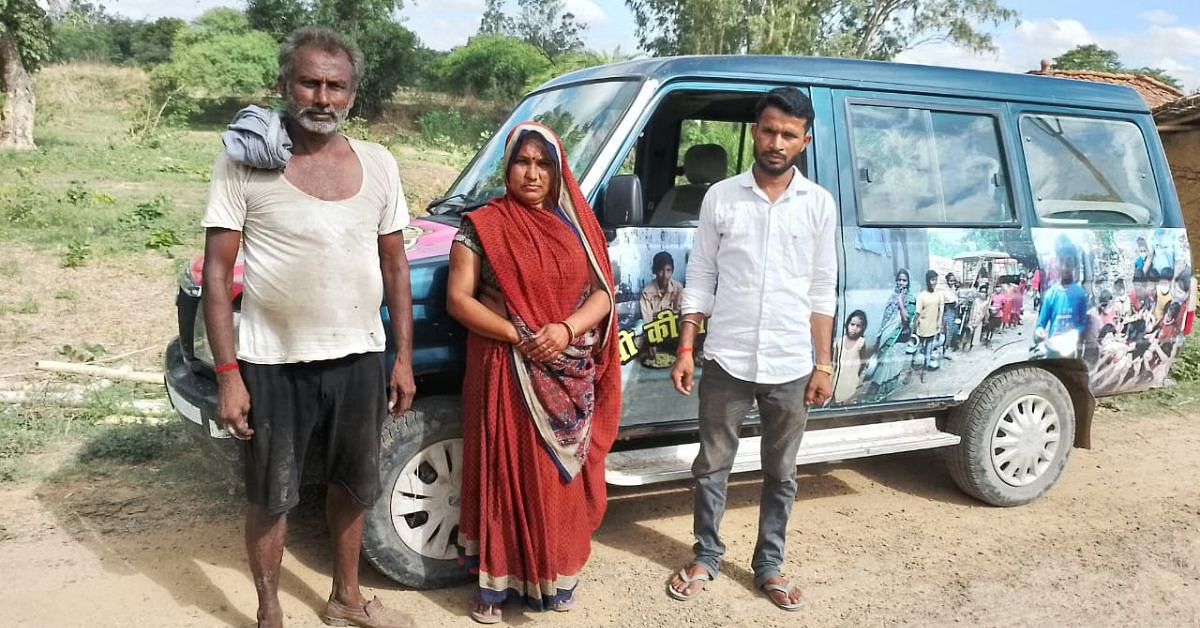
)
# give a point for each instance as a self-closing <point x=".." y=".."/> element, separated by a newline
<point x="492" y="66"/>
<point x="162" y="238"/>
<point x="77" y="253"/>
<point x="217" y="57"/>
<point x="1187" y="364"/>
<point x="389" y="51"/>
<point x="135" y="444"/>
<point x="452" y="128"/>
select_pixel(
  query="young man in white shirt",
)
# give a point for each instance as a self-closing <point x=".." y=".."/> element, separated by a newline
<point x="768" y="235"/>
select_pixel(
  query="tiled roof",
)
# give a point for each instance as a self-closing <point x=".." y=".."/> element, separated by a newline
<point x="1184" y="110"/>
<point x="1155" y="92"/>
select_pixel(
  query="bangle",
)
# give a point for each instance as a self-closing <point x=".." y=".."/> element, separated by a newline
<point x="688" y="321"/>
<point x="570" y="330"/>
<point x="683" y="350"/>
<point x="228" y="367"/>
<point x="824" y="368"/>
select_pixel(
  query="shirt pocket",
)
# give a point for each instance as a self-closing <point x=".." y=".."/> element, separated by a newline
<point x="794" y="237"/>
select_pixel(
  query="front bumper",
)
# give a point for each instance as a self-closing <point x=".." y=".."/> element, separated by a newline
<point x="194" y="398"/>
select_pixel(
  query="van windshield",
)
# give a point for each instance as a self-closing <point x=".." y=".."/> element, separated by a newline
<point x="582" y="115"/>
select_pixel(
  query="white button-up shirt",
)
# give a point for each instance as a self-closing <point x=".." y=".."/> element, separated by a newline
<point x="760" y="270"/>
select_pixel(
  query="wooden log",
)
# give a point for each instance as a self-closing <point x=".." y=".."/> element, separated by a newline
<point x="99" y="371"/>
<point x="152" y="407"/>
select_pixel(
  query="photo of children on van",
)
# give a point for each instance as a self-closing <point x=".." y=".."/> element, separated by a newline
<point x="968" y="308"/>
<point x="1122" y="304"/>
<point x="1120" y="301"/>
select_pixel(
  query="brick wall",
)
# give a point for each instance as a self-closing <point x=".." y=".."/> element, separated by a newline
<point x="1183" y="154"/>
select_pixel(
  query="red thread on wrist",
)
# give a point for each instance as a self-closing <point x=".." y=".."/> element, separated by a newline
<point x="228" y="367"/>
<point x="683" y="350"/>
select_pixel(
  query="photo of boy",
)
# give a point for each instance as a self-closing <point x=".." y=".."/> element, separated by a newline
<point x="664" y="293"/>
<point x="929" y="319"/>
<point x="1063" y="319"/>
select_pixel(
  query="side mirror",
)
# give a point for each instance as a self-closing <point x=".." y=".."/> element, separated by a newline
<point x="623" y="204"/>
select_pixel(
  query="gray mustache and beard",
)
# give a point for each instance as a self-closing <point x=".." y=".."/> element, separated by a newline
<point x="310" y="120"/>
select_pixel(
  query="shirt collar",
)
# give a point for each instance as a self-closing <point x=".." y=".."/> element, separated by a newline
<point x="799" y="185"/>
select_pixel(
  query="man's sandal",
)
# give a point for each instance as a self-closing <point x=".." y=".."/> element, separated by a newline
<point x="688" y="581"/>
<point x="786" y="589"/>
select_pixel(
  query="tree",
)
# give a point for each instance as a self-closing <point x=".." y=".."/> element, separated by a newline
<point x="218" y="56"/>
<point x="494" y="66"/>
<point x="869" y="29"/>
<point x="24" y="45"/>
<point x="1089" y="57"/>
<point x="549" y="27"/>
<point x="148" y="43"/>
<point x="278" y="17"/>
<point x="543" y="24"/>
<point x="80" y="31"/>
<point x="1097" y="59"/>
<point x="389" y="49"/>
<point x="494" y="21"/>
<point x="575" y="61"/>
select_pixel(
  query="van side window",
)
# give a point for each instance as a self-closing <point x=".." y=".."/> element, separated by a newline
<point x="925" y="167"/>
<point x="1089" y="171"/>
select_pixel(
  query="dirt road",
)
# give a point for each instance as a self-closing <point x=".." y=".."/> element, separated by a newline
<point x="881" y="542"/>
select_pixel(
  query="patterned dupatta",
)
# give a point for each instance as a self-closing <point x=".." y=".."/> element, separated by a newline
<point x="547" y="263"/>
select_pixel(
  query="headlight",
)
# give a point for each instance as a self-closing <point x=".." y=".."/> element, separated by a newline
<point x="200" y="346"/>
<point x="186" y="283"/>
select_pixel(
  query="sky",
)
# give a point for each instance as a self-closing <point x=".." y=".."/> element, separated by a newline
<point x="1155" y="33"/>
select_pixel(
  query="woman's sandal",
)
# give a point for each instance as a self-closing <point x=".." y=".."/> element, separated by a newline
<point x="688" y="581"/>
<point x="563" y="606"/>
<point x="487" y="617"/>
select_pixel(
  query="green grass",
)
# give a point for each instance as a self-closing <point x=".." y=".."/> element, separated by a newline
<point x="132" y="444"/>
<point x="1183" y="396"/>
<point x="34" y="428"/>
<point x="95" y="187"/>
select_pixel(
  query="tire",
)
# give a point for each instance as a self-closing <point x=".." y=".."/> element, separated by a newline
<point x="997" y="461"/>
<point x="411" y="530"/>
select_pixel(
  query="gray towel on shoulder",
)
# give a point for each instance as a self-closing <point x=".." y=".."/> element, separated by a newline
<point x="257" y="138"/>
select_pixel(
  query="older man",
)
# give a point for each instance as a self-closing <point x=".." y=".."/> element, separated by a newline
<point x="323" y="245"/>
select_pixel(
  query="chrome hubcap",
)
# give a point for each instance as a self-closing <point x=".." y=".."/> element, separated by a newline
<point x="426" y="499"/>
<point x="1025" y="441"/>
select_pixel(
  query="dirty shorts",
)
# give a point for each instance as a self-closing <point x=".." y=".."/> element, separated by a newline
<point x="342" y="402"/>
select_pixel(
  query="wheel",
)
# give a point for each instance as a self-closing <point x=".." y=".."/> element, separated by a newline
<point x="411" y="530"/>
<point x="1017" y="430"/>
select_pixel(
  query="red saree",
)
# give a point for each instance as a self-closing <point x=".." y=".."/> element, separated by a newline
<point x="535" y="436"/>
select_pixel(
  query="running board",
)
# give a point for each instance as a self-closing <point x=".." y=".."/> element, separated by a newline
<point x="636" y="467"/>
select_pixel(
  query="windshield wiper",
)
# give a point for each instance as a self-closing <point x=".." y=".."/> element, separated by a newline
<point x="445" y="199"/>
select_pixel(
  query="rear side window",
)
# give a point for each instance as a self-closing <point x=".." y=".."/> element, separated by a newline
<point x="1089" y="171"/>
<point x="926" y="167"/>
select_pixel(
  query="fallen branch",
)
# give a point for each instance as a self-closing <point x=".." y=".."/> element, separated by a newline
<point x="114" y="358"/>
<point x="100" y="371"/>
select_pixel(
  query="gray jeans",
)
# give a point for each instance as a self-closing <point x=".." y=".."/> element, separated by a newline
<point x="724" y="402"/>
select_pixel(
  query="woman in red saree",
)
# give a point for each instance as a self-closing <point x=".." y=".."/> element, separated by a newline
<point x="531" y="281"/>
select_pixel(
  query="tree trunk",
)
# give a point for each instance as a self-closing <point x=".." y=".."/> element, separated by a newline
<point x="20" y="103"/>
